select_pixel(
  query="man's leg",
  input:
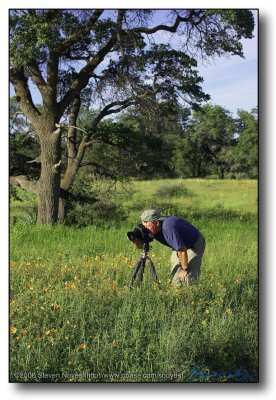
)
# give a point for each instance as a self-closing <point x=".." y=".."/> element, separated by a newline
<point x="175" y="268"/>
<point x="194" y="263"/>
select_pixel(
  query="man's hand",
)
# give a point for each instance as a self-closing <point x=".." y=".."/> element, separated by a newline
<point x="137" y="243"/>
<point x="182" y="275"/>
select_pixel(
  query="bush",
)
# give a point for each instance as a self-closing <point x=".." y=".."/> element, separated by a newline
<point x="94" y="202"/>
<point x="169" y="191"/>
<point x="101" y="213"/>
<point x="23" y="206"/>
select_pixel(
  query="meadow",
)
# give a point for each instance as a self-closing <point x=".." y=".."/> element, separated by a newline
<point x="74" y="319"/>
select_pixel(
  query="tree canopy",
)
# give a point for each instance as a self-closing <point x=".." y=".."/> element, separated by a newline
<point x="108" y="60"/>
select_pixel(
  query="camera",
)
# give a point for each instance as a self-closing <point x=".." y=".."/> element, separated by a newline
<point x="141" y="233"/>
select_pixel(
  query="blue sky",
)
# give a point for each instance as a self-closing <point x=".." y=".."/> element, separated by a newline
<point x="233" y="82"/>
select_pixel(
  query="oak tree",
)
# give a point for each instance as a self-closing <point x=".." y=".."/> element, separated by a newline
<point x="107" y="60"/>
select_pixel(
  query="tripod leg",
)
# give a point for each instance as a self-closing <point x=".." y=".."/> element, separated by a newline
<point x="135" y="271"/>
<point x="152" y="270"/>
<point x="142" y="269"/>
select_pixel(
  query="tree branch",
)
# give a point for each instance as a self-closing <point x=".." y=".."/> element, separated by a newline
<point x="84" y="75"/>
<point x="23" y="94"/>
<point x="71" y="134"/>
<point x="76" y="37"/>
<point x="100" y="169"/>
<point x="36" y="160"/>
<point x="52" y="75"/>
<point x="37" y="77"/>
<point x="87" y="71"/>
<point x="162" y="27"/>
<point x="25" y="183"/>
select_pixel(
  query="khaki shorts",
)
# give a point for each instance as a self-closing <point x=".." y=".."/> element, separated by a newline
<point x="195" y="255"/>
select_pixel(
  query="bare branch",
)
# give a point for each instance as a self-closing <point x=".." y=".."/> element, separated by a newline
<point x="58" y="130"/>
<point x="15" y="116"/>
<point x="162" y="27"/>
<point x="121" y="14"/>
<point x="78" y="129"/>
<point x="36" y="160"/>
<point x="25" y="183"/>
<point x="100" y="169"/>
<point x="56" y="167"/>
<point x="27" y="135"/>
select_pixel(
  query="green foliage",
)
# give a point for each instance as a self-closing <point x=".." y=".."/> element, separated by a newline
<point x="72" y="315"/>
<point x="246" y="155"/>
<point x="94" y="202"/>
<point x="21" y="154"/>
<point x="203" y="150"/>
<point x="32" y="33"/>
<point x="23" y="206"/>
<point x="241" y="20"/>
<point x="23" y="145"/>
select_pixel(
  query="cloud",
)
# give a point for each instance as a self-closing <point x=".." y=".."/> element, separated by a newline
<point x="234" y="94"/>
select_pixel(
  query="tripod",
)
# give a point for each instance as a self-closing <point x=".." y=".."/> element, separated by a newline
<point x="140" y="265"/>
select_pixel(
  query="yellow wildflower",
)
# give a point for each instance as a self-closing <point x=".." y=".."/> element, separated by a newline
<point x="13" y="330"/>
<point x="55" y="306"/>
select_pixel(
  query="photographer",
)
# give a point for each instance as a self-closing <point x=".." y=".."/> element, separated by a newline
<point x="187" y="243"/>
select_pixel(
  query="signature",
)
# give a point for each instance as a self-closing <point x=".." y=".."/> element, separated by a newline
<point x="200" y="373"/>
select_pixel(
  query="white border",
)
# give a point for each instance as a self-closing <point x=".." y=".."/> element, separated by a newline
<point x="267" y="203"/>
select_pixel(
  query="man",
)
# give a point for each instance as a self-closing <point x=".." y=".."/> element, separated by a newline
<point x="186" y="241"/>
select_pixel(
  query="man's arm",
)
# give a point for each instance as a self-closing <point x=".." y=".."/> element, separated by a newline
<point x="182" y="255"/>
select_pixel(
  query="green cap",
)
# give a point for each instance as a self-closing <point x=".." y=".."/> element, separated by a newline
<point x="152" y="215"/>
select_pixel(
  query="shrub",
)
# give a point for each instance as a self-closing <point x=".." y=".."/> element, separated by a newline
<point x="102" y="213"/>
<point x="94" y="202"/>
<point x="169" y="191"/>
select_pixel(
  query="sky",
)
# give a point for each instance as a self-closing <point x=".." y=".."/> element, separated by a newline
<point x="233" y="82"/>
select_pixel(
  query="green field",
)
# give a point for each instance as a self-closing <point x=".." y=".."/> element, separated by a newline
<point x="73" y="318"/>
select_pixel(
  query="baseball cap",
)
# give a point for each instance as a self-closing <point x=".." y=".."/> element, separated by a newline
<point x="152" y="215"/>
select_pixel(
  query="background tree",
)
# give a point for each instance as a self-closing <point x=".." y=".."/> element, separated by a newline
<point x="246" y="154"/>
<point x="202" y="150"/>
<point x="107" y="58"/>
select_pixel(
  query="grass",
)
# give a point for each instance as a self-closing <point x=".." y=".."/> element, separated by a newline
<point x="73" y="318"/>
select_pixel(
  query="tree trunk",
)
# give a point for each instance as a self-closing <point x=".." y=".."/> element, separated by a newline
<point x="68" y="179"/>
<point x="49" y="182"/>
<point x="62" y="209"/>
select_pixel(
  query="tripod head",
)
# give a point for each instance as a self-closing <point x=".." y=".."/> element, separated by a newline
<point x="146" y="248"/>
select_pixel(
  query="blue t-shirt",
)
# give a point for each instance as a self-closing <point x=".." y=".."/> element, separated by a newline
<point x="177" y="233"/>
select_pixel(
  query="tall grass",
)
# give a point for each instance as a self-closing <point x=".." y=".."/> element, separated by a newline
<point x="73" y="318"/>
